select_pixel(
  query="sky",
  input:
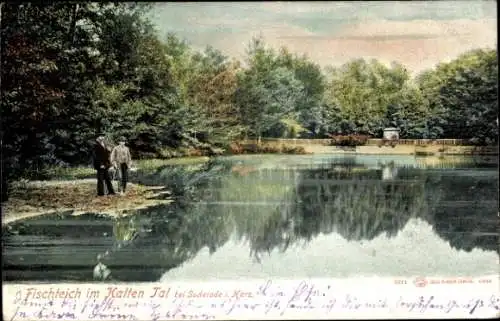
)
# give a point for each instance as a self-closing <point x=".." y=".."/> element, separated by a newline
<point x="418" y="34"/>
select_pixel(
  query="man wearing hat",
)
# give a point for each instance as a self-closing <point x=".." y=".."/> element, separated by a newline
<point x="102" y="164"/>
<point x="121" y="160"/>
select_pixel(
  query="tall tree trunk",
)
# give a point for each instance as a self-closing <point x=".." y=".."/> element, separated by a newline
<point x="72" y="25"/>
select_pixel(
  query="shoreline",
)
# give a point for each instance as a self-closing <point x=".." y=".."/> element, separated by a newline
<point x="410" y="150"/>
<point x="14" y="217"/>
<point x="140" y="197"/>
<point x="450" y="147"/>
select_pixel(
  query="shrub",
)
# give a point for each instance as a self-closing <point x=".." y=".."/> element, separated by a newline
<point x="251" y="148"/>
<point x="236" y="148"/>
<point x="297" y="150"/>
<point x="269" y="149"/>
<point x="423" y="153"/>
<point x="349" y="140"/>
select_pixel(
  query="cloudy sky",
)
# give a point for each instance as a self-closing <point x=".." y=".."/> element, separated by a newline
<point x="418" y="34"/>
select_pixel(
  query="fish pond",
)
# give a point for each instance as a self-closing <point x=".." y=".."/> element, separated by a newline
<point x="278" y="216"/>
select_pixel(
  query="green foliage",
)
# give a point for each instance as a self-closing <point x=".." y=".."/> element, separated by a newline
<point x="268" y="92"/>
<point x="464" y="94"/>
<point x="293" y="128"/>
<point x="264" y="148"/>
<point x="410" y="114"/>
<point x="309" y="107"/>
<point x="362" y="91"/>
<point x="349" y="140"/>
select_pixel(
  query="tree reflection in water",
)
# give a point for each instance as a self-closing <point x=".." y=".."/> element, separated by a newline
<point x="273" y="206"/>
<point x="354" y="204"/>
<point x="353" y="200"/>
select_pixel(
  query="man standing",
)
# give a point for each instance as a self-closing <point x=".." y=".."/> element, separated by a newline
<point x="102" y="164"/>
<point x="121" y="160"/>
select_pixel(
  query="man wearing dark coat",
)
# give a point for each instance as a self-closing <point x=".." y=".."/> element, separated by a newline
<point x="102" y="163"/>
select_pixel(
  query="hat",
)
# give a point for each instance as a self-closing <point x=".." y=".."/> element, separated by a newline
<point x="122" y="139"/>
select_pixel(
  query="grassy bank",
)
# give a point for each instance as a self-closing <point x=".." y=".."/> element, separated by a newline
<point x="81" y="172"/>
<point x="77" y="196"/>
<point x="74" y="189"/>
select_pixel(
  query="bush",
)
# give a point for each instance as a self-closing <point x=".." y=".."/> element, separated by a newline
<point x="349" y="140"/>
<point x="296" y="150"/>
<point x="423" y="153"/>
<point x="268" y="149"/>
<point x="236" y="148"/>
<point x="252" y="148"/>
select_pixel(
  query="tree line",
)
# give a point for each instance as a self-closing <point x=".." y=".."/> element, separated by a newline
<point x="70" y="70"/>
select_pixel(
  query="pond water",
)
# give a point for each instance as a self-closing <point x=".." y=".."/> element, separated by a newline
<point x="279" y="217"/>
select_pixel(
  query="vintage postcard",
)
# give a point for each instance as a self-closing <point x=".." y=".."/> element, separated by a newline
<point x="249" y="160"/>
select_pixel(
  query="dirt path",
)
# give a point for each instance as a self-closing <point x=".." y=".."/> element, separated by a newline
<point x="36" y="198"/>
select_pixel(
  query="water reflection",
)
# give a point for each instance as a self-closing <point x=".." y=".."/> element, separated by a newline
<point x="415" y="250"/>
<point x="306" y="215"/>
<point x="389" y="172"/>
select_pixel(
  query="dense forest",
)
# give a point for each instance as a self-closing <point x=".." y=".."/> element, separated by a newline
<point x="70" y="70"/>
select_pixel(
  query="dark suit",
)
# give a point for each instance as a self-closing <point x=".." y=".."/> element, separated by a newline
<point x="102" y="165"/>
